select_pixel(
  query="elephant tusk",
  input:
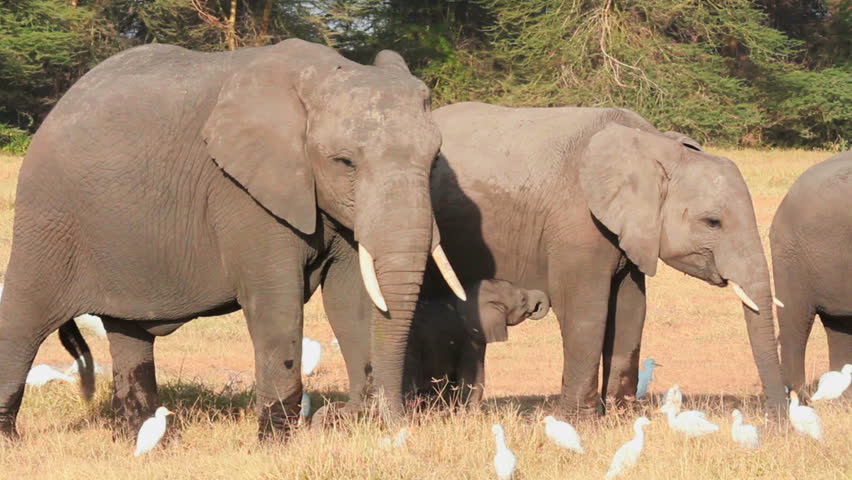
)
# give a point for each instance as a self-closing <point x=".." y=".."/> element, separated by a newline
<point x="448" y="273"/>
<point x="368" y="274"/>
<point x="777" y="302"/>
<point x="743" y="297"/>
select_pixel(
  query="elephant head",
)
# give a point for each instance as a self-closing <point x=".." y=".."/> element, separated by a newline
<point x="494" y="305"/>
<point x="666" y="199"/>
<point x="302" y="129"/>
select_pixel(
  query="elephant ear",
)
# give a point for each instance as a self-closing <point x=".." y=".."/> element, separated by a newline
<point x="623" y="175"/>
<point x="684" y="140"/>
<point x="391" y="60"/>
<point x="256" y="134"/>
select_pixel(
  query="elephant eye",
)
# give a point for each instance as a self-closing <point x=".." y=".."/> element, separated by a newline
<point x="344" y="161"/>
<point x="713" y="223"/>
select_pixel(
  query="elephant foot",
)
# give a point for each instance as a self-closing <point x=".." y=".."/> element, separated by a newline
<point x="276" y="422"/>
<point x="582" y="413"/>
<point x="7" y="428"/>
<point x="333" y="415"/>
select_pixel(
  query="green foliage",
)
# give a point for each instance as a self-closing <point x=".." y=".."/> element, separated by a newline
<point x="45" y="45"/>
<point x="14" y="140"/>
<point x="764" y="72"/>
<point x="814" y="108"/>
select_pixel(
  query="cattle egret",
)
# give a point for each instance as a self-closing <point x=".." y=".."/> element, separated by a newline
<point x="91" y="323"/>
<point x="645" y="377"/>
<point x="691" y="422"/>
<point x="311" y="353"/>
<point x="743" y="434"/>
<point x="152" y="431"/>
<point x="628" y="454"/>
<point x="335" y="343"/>
<point x="504" y="459"/>
<point x="74" y="368"/>
<point x="397" y="442"/>
<point x="674" y="394"/>
<point x="42" y="374"/>
<point x="562" y="434"/>
<point x="833" y="384"/>
<point x="804" y="419"/>
<point x="305" y="411"/>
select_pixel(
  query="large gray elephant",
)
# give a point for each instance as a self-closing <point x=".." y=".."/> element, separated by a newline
<point x="580" y="203"/>
<point x="449" y="337"/>
<point x="812" y="264"/>
<point x="169" y="184"/>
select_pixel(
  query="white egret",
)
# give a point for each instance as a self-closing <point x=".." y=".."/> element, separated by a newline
<point x="42" y="374"/>
<point x="833" y="384"/>
<point x="311" y="353"/>
<point x="152" y="431"/>
<point x="673" y="394"/>
<point x="74" y="368"/>
<point x="804" y="419"/>
<point x="92" y="323"/>
<point x="646" y="376"/>
<point x="627" y="455"/>
<point x="398" y="440"/>
<point x="504" y="459"/>
<point x="691" y="422"/>
<point x="305" y="411"/>
<point x="335" y="343"/>
<point x="743" y="434"/>
<point x="562" y="434"/>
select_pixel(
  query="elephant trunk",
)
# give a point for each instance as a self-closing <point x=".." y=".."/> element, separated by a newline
<point x="393" y="228"/>
<point x="538" y="303"/>
<point x="742" y="263"/>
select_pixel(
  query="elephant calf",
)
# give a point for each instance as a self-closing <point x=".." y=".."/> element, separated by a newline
<point x="448" y="336"/>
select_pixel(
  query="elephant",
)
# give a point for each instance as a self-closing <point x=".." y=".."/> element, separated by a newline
<point x="169" y="184"/>
<point x="811" y="262"/>
<point x="449" y="336"/>
<point x="580" y="203"/>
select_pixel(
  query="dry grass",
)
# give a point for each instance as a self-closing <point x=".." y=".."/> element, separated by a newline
<point x="205" y="371"/>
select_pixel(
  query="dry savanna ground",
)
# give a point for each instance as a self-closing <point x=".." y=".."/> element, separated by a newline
<point x="205" y="371"/>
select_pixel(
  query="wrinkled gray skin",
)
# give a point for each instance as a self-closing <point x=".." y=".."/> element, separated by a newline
<point x="810" y="237"/>
<point x="449" y="336"/>
<point x="580" y="203"/>
<point x="169" y="184"/>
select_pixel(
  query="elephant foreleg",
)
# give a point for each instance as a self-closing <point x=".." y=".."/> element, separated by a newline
<point x="625" y="321"/>
<point x="274" y="317"/>
<point x="349" y="312"/>
<point x="472" y="373"/>
<point x="581" y="305"/>
<point x="134" y="374"/>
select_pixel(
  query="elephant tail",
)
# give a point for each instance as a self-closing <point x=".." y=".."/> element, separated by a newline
<point x="75" y="344"/>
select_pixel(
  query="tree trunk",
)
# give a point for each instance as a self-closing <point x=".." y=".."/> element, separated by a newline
<point x="231" y="31"/>
<point x="264" y="23"/>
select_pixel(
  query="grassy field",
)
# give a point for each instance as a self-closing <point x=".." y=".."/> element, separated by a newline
<point x="206" y="372"/>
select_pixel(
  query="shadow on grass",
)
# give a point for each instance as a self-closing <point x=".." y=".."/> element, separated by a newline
<point x="194" y="401"/>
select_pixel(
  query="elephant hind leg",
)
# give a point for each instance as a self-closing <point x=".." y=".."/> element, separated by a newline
<point x="134" y="375"/>
<point x="24" y="325"/>
<point x="838" y="329"/>
<point x="795" y="321"/>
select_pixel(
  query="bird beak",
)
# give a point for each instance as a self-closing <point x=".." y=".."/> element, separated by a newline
<point x="657" y="364"/>
<point x="540" y="422"/>
<point x="169" y="412"/>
